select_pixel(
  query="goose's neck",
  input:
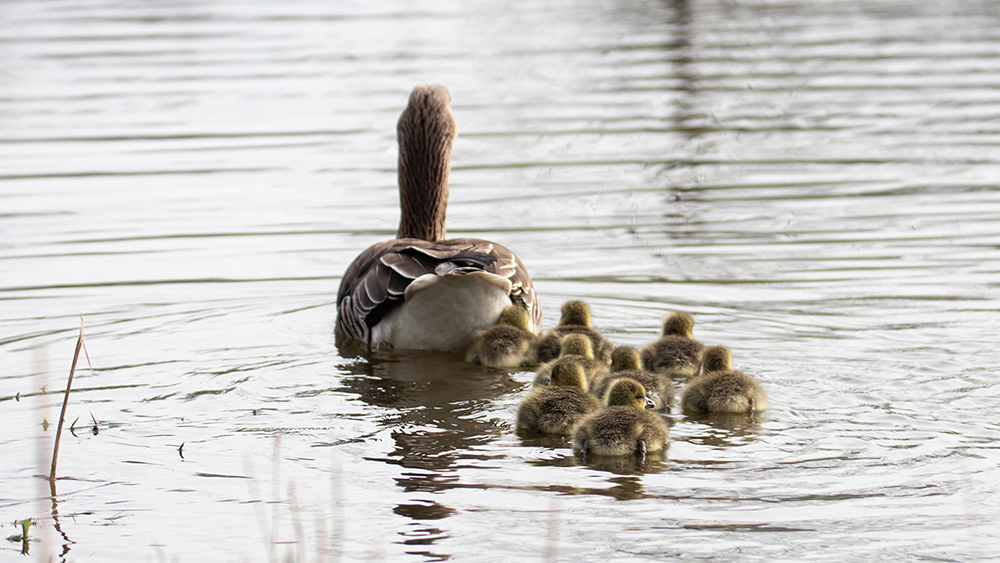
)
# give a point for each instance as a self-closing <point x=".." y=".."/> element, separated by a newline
<point x="423" y="196"/>
<point x="426" y="132"/>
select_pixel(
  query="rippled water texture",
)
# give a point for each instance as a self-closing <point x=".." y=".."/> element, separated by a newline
<point x="816" y="182"/>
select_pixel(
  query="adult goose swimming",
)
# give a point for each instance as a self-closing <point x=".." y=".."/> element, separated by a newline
<point x="420" y="290"/>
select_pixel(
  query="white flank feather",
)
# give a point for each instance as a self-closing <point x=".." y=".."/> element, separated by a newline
<point x="443" y="312"/>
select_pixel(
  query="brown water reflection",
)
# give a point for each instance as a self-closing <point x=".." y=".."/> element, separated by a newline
<point x="435" y="398"/>
<point x="722" y="430"/>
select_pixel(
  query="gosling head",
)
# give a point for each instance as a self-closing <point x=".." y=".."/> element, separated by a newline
<point x="515" y="316"/>
<point x="628" y="393"/>
<point x="576" y="344"/>
<point x="679" y="324"/>
<point x="575" y="313"/>
<point x="568" y="374"/>
<point x="625" y="358"/>
<point x="716" y="358"/>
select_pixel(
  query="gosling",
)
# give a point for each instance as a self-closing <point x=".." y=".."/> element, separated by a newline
<point x="624" y="426"/>
<point x="575" y="320"/>
<point x="574" y="348"/>
<point x="555" y="408"/>
<point x="719" y="388"/>
<point x="507" y="344"/>
<point x="625" y="362"/>
<point x="676" y="353"/>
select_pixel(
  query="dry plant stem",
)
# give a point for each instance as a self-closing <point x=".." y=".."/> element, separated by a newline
<point x="300" y="540"/>
<point x="552" y="545"/>
<point x="337" y="523"/>
<point x="62" y="414"/>
<point x="275" y="493"/>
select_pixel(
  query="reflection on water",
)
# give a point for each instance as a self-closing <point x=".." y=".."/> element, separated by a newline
<point x="629" y="465"/>
<point x="530" y="438"/>
<point x="816" y="182"/>
<point x="722" y="429"/>
<point x="435" y="399"/>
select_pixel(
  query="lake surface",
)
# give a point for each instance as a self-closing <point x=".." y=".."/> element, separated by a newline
<point x="816" y="182"/>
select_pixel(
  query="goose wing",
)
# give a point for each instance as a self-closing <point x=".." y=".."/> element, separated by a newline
<point x="377" y="279"/>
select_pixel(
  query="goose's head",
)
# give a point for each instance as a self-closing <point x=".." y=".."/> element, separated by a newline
<point x="629" y="393"/>
<point x="575" y="313"/>
<point x="515" y="316"/>
<point x="568" y="374"/>
<point x="716" y="358"/>
<point x="679" y="324"/>
<point x="426" y="131"/>
<point x="625" y="358"/>
<point x="576" y="344"/>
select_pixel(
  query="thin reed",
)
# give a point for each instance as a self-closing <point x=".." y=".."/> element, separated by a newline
<point x="62" y="413"/>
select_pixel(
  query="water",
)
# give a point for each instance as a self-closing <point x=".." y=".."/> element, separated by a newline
<point x="816" y="182"/>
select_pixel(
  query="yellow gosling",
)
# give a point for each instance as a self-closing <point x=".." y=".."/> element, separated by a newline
<point x="623" y="427"/>
<point x="575" y="348"/>
<point x="625" y="362"/>
<point x="575" y="319"/>
<point x="716" y="358"/>
<point x="557" y="407"/>
<point x="720" y="389"/>
<point x="676" y="353"/>
<point x="507" y="344"/>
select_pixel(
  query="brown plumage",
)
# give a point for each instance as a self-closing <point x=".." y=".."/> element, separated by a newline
<point x="676" y="352"/>
<point x="575" y="348"/>
<point x="625" y="362"/>
<point x="719" y="388"/>
<point x="556" y="407"/>
<point x="507" y="344"/>
<point x="575" y="319"/>
<point x="624" y="426"/>
<point x="380" y="280"/>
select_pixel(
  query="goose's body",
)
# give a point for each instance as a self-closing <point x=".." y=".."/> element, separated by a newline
<point x="420" y="290"/>
<point x="575" y="319"/>
<point x="720" y="389"/>
<point x="625" y="363"/>
<point x="624" y="426"/>
<point x="557" y="406"/>
<point x="676" y="352"/>
<point x="507" y="344"/>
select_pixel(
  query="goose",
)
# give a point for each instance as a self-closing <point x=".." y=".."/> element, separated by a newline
<point x="576" y="349"/>
<point x="625" y="362"/>
<point x="507" y="344"/>
<point x="575" y="319"/>
<point x="556" y="407"/>
<point x="421" y="290"/>
<point x="720" y="389"/>
<point x="676" y="352"/>
<point x="624" y="426"/>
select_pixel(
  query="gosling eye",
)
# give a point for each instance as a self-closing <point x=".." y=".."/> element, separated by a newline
<point x="547" y="381"/>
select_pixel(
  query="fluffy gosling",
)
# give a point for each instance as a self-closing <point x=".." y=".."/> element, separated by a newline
<point x="676" y="353"/>
<point x="625" y="362"/>
<point x="507" y="344"/>
<point x="719" y="388"/>
<point x="555" y="408"/>
<point x="575" y="348"/>
<point x="623" y="427"/>
<point x="575" y="320"/>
